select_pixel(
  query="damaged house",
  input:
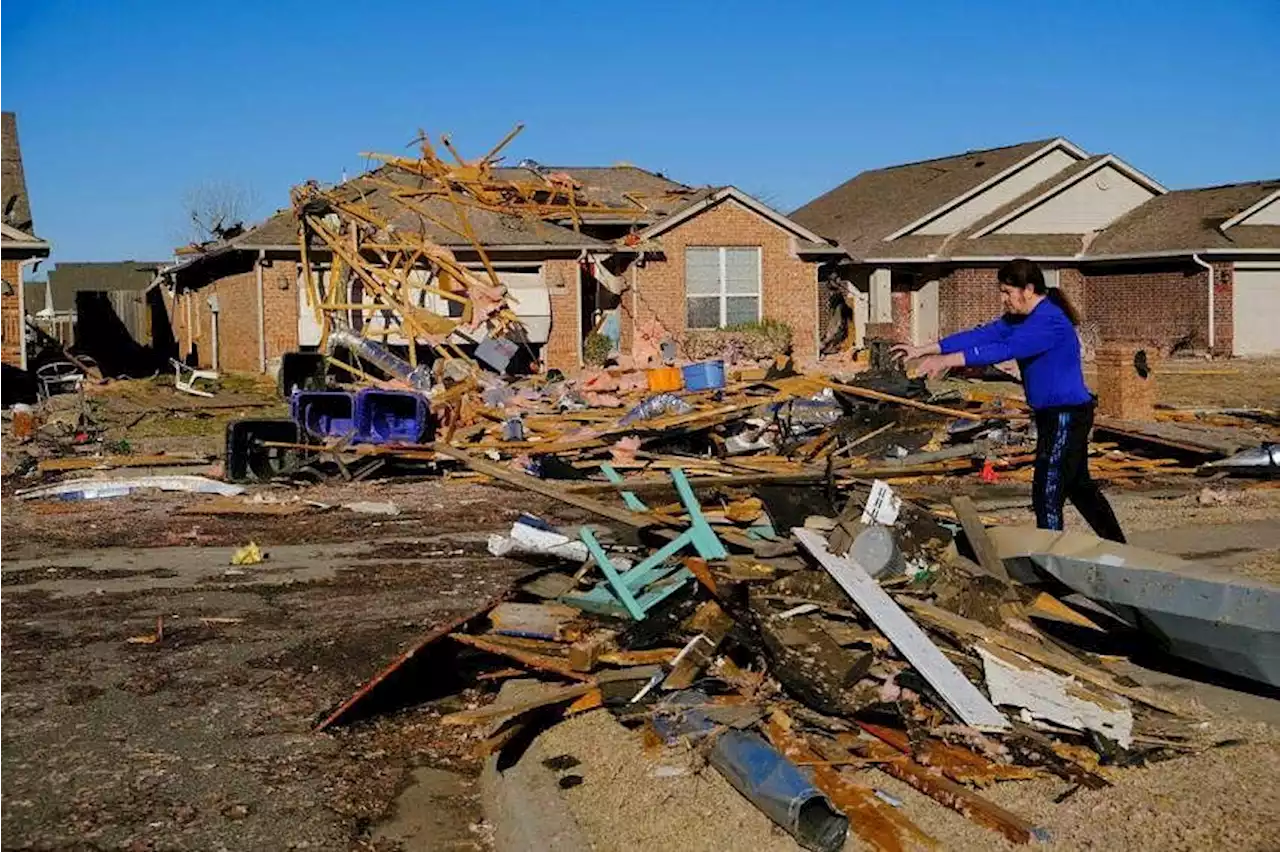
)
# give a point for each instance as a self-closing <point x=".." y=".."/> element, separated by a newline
<point x="1191" y="269"/>
<point x="666" y="258"/>
<point x="19" y="247"/>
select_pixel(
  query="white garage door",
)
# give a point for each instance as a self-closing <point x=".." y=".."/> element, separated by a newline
<point x="1256" y="307"/>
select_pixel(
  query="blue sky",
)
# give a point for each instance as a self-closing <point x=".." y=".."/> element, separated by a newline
<point x="124" y="107"/>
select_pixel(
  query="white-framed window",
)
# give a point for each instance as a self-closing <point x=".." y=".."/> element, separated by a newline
<point x="722" y="285"/>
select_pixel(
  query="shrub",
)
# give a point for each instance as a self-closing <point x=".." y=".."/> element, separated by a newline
<point x="596" y="349"/>
<point x="748" y="341"/>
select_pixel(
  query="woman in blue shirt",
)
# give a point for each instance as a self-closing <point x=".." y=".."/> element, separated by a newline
<point x="1038" y="331"/>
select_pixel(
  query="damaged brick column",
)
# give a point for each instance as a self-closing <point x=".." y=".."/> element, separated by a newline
<point x="1126" y="382"/>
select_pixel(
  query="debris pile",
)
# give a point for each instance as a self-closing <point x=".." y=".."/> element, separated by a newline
<point x="793" y="646"/>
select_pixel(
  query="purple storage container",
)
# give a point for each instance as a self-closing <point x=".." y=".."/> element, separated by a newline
<point x="391" y="417"/>
<point x="324" y="414"/>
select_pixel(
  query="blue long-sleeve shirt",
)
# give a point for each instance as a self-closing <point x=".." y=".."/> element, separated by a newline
<point x="1045" y="345"/>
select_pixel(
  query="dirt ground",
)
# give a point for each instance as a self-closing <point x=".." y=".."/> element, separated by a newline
<point x="203" y="739"/>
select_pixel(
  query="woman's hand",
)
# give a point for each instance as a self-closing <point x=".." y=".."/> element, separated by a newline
<point x="934" y="366"/>
<point x="907" y="352"/>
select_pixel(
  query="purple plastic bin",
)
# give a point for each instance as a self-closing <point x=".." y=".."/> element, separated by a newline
<point x="323" y="414"/>
<point x="386" y="417"/>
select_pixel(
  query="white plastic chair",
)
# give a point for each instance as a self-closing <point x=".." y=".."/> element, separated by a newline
<point x="185" y="378"/>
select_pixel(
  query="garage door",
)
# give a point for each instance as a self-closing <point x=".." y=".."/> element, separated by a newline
<point x="1256" y="306"/>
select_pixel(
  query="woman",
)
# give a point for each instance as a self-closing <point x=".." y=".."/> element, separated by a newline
<point x="1038" y="331"/>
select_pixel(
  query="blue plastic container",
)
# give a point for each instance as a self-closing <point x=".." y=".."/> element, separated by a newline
<point x="323" y="414"/>
<point x="707" y="375"/>
<point x="387" y="417"/>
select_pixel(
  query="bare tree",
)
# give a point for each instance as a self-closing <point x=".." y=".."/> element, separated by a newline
<point x="217" y="210"/>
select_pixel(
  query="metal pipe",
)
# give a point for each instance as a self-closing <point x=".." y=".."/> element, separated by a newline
<point x="21" y="292"/>
<point x="418" y="377"/>
<point x="1212" y="325"/>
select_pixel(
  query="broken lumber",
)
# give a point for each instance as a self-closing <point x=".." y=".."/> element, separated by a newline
<point x="507" y="711"/>
<point x="540" y="662"/>
<point x="970" y="705"/>
<point x="976" y="532"/>
<point x="878" y="824"/>
<point x="1043" y="654"/>
<point x="941" y="789"/>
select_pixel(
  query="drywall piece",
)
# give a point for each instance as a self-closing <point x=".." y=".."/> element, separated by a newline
<point x="962" y="696"/>
<point x="1015" y="681"/>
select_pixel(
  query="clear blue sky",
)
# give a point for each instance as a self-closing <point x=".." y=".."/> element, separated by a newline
<point x="124" y="106"/>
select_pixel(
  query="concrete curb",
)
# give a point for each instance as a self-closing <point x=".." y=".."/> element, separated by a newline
<point x="526" y="810"/>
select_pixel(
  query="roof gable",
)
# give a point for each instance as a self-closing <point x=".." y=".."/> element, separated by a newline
<point x="712" y="197"/>
<point x="1264" y="212"/>
<point x="1080" y="200"/>
<point x="880" y="204"/>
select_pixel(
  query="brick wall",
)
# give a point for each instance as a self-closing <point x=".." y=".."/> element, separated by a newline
<point x="967" y="296"/>
<point x="789" y="285"/>
<point x="238" y="341"/>
<point x="11" y="324"/>
<point x="1160" y="304"/>
<point x="561" y="349"/>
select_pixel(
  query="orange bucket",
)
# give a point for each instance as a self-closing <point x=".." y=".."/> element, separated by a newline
<point x="665" y="379"/>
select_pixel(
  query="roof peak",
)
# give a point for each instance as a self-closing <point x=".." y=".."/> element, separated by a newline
<point x="1038" y="143"/>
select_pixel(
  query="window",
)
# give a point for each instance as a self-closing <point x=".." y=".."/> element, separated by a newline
<point x="1050" y="277"/>
<point x="722" y="286"/>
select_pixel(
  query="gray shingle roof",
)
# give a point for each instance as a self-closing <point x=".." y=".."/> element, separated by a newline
<point x="17" y="206"/>
<point x="1189" y="220"/>
<point x="67" y="279"/>
<point x="861" y="212"/>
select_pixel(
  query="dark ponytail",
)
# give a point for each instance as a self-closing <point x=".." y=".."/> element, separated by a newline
<point x="1023" y="273"/>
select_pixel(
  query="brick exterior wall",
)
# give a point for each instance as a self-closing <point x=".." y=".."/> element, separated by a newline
<point x="789" y="284"/>
<point x="238" y="342"/>
<point x="1160" y="304"/>
<point x="561" y="349"/>
<point x="11" y="324"/>
<point x="967" y="297"/>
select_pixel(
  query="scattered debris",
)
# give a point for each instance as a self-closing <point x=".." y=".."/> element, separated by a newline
<point x="250" y="554"/>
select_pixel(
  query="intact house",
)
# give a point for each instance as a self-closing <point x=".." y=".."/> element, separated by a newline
<point x="107" y="311"/>
<point x="1195" y="269"/>
<point x="682" y="258"/>
<point x="19" y="247"/>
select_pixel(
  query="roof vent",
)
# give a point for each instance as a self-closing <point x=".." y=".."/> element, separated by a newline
<point x="979" y="164"/>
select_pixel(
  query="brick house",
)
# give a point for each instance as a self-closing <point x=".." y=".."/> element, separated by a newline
<point x="686" y="258"/>
<point x="19" y="247"/>
<point x="1189" y="269"/>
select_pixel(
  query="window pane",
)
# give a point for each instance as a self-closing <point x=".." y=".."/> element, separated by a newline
<point x="703" y="312"/>
<point x="702" y="271"/>
<point x="742" y="270"/>
<point x="740" y="309"/>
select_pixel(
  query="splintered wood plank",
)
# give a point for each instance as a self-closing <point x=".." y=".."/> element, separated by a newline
<point x="878" y="824"/>
<point x="1043" y="654"/>
<point x="547" y="489"/>
<point x="530" y="659"/>
<point x="974" y="530"/>
<point x="963" y="697"/>
<point x="941" y="789"/>
<point x="441" y="631"/>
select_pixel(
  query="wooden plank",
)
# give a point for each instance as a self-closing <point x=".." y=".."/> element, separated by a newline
<point x="879" y="825"/>
<point x="1042" y="654"/>
<point x="90" y="462"/>
<point x="539" y="662"/>
<point x="867" y="393"/>
<point x="962" y="696"/>
<point x="426" y="641"/>
<point x="976" y="533"/>
<point x="941" y="789"/>
<point x="546" y="489"/>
